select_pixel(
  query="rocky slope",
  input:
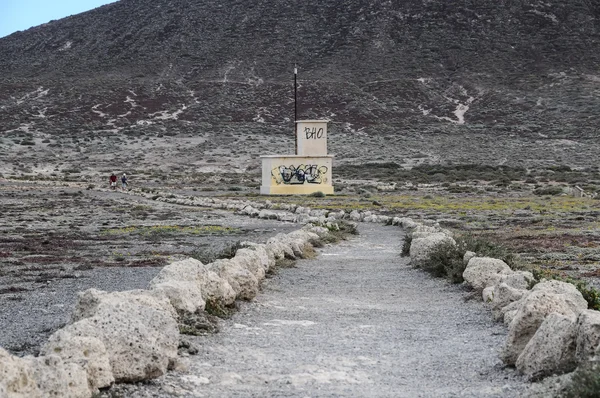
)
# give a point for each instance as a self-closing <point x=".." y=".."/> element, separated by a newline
<point x="513" y="81"/>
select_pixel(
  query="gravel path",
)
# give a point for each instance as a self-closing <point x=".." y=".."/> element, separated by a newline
<point x="356" y="321"/>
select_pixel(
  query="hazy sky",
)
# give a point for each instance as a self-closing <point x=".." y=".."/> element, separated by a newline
<point x="23" y="14"/>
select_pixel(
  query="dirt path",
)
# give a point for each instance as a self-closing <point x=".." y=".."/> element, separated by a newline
<point x="356" y="321"/>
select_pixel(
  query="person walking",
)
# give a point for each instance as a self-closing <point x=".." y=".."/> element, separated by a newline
<point x="113" y="181"/>
<point x="124" y="182"/>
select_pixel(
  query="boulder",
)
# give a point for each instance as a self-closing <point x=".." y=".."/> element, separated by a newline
<point x="320" y="231"/>
<point x="482" y="272"/>
<point x="530" y="314"/>
<point x="267" y="215"/>
<point x="384" y="219"/>
<point x="488" y="294"/>
<point x="56" y="378"/>
<point x="180" y="282"/>
<point x="468" y="256"/>
<point x="140" y="332"/>
<point x="521" y="280"/>
<point x="253" y="262"/>
<point x="588" y="335"/>
<point x="509" y="315"/>
<point x="503" y="295"/>
<point x="184" y="296"/>
<point x="423" y="231"/>
<point x="215" y="290"/>
<point x="421" y="248"/>
<point x="551" y="350"/>
<point x="408" y="223"/>
<point x="355" y="215"/>
<point x="17" y="377"/>
<point x="87" y="352"/>
<point x="568" y="290"/>
<point x="243" y="282"/>
<point x="280" y="245"/>
<point x="267" y="257"/>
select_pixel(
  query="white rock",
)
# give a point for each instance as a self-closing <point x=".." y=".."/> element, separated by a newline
<point x="140" y="333"/>
<point x="252" y="261"/>
<point x="421" y="248"/>
<point x="355" y="215"/>
<point x="384" y="219"/>
<point x="267" y="258"/>
<point x="243" y="282"/>
<point x="531" y="313"/>
<point x="56" y="378"/>
<point x="468" y="256"/>
<point x="551" y="350"/>
<point x="482" y="272"/>
<point x="518" y="279"/>
<point x="320" y="231"/>
<point x="488" y="294"/>
<point x="87" y="352"/>
<point x="588" y="335"/>
<point x="509" y="315"/>
<point x="569" y="291"/>
<point x="408" y="223"/>
<point x="184" y="296"/>
<point x="215" y="290"/>
<point x="422" y="231"/>
<point x="281" y="245"/>
<point x="502" y="296"/>
<point x="17" y="377"/>
<point x="88" y="301"/>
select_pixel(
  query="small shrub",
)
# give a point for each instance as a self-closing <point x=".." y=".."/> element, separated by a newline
<point x="406" y="245"/>
<point x="585" y="383"/>
<point x="548" y="191"/>
<point x="317" y="194"/>
<point x="485" y="248"/>
<point x="445" y="260"/>
<point x="216" y="309"/>
<point x="285" y="263"/>
<point x="208" y="256"/>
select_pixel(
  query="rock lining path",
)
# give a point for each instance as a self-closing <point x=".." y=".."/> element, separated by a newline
<point x="358" y="321"/>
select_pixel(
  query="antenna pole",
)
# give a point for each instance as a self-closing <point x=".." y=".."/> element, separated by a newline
<point x="295" y="108"/>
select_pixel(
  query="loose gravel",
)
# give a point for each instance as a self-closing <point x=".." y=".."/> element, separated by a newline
<point x="356" y="321"/>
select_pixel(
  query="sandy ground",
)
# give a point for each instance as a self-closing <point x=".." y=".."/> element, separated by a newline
<point x="356" y="321"/>
<point x="58" y="240"/>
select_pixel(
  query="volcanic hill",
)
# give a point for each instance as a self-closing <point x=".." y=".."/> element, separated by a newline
<point x="207" y="84"/>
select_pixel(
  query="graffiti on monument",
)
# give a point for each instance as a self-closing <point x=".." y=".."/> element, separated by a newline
<point x="292" y="175"/>
<point x="314" y="133"/>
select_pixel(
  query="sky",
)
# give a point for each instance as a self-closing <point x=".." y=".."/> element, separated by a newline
<point x="18" y="15"/>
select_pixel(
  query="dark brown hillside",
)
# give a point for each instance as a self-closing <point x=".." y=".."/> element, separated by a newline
<point x="520" y="71"/>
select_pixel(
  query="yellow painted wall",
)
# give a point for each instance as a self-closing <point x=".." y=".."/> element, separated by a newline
<point x="295" y="174"/>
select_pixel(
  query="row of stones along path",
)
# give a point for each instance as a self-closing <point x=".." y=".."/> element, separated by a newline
<point x="358" y="321"/>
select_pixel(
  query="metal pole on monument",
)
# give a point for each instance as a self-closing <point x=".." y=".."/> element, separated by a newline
<point x="295" y="108"/>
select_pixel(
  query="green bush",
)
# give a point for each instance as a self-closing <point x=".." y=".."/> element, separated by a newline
<point x="585" y="383"/>
<point x="485" y="248"/>
<point x="208" y="256"/>
<point x="446" y="260"/>
<point x="317" y="194"/>
<point x="406" y="245"/>
<point x="555" y="190"/>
